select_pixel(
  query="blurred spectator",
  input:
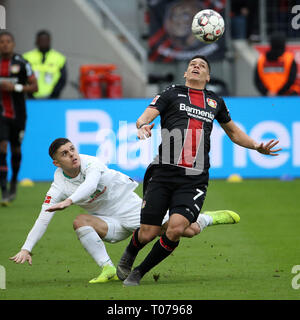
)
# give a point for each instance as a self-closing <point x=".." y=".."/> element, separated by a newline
<point x="279" y="16"/>
<point x="244" y="21"/>
<point x="16" y="79"/>
<point x="276" y="70"/>
<point x="240" y="12"/>
<point x="49" y="67"/>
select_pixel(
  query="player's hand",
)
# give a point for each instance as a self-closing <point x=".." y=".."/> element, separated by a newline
<point x="145" y="131"/>
<point x="7" y="86"/>
<point x="22" y="257"/>
<point x="267" y="148"/>
<point x="60" y="206"/>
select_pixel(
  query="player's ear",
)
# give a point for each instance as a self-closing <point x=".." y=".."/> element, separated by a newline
<point x="184" y="75"/>
<point x="56" y="163"/>
<point x="208" y="78"/>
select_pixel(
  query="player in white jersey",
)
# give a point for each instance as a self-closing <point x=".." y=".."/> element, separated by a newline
<point x="107" y="195"/>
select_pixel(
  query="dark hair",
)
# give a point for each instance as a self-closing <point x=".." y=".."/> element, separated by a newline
<point x="56" y="144"/>
<point x="198" y="56"/>
<point x="277" y="41"/>
<point x="7" y="33"/>
<point x="43" y="33"/>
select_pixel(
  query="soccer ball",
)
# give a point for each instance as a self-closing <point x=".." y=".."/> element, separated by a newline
<point x="208" y="26"/>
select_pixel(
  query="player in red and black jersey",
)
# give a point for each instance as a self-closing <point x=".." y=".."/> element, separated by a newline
<point x="177" y="179"/>
<point x="16" y="79"/>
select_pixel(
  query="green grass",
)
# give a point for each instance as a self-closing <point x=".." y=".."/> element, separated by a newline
<point x="250" y="260"/>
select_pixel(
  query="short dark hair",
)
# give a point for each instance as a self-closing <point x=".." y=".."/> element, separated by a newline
<point x="7" y="33"/>
<point x="43" y="33"/>
<point x="198" y="56"/>
<point x="56" y="144"/>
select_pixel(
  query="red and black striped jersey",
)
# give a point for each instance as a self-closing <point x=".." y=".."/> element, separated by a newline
<point x="186" y="123"/>
<point x="15" y="70"/>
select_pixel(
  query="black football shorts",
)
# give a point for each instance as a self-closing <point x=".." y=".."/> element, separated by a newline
<point x="11" y="131"/>
<point x="177" y="197"/>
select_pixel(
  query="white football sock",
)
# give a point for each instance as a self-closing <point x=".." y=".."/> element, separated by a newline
<point x="204" y="220"/>
<point x="94" y="245"/>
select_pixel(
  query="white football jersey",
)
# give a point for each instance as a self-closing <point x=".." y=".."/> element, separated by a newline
<point x="97" y="189"/>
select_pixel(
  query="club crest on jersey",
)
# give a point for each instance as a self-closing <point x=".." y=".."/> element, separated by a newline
<point x="47" y="199"/>
<point x="212" y="103"/>
<point x="15" y="68"/>
<point x="154" y="100"/>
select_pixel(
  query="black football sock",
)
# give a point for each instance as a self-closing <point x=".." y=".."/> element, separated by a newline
<point x="15" y="165"/>
<point x="161" y="250"/>
<point x="134" y="245"/>
<point x="3" y="172"/>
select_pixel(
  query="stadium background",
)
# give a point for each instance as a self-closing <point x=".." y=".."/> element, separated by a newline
<point x="127" y="33"/>
<point x="259" y="265"/>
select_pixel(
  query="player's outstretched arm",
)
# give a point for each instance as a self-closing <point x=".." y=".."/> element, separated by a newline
<point x="22" y="256"/>
<point x="143" y="123"/>
<point x="239" y="137"/>
<point x="268" y="148"/>
<point x="60" y="206"/>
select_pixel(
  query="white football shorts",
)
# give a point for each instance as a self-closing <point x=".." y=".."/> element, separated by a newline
<point x="122" y="222"/>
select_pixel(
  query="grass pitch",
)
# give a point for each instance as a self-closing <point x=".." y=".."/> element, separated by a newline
<point x="250" y="260"/>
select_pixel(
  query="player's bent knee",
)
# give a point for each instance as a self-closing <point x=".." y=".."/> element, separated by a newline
<point x="147" y="234"/>
<point x="174" y="233"/>
<point x="145" y="238"/>
<point x="80" y="221"/>
<point x="191" y="231"/>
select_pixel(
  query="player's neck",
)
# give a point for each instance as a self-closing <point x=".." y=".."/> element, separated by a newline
<point x="195" y="84"/>
<point x="6" y="56"/>
<point x="73" y="173"/>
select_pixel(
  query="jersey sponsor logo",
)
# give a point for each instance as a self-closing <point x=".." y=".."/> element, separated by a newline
<point x="48" y="199"/>
<point x="96" y="195"/>
<point x="212" y="103"/>
<point x="197" y="113"/>
<point x="154" y="100"/>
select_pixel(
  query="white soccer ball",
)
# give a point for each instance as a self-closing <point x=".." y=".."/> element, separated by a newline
<point x="208" y="26"/>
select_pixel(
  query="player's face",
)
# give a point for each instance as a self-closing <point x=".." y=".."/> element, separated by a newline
<point x="197" y="71"/>
<point x="67" y="158"/>
<point x="7" y="44"/>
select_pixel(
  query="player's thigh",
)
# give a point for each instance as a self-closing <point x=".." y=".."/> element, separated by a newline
<point x="17" y="134"/>
<point x="130" y="212"/>
<point x="4" y="134"/>
<point x="115" y="230"/>
<point x="94" y="221"/>
<point x="188" y="201"/>
<point x="155" y="204"/>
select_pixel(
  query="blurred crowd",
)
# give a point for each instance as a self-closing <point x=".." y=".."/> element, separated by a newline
<point x="245" y="22"/>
